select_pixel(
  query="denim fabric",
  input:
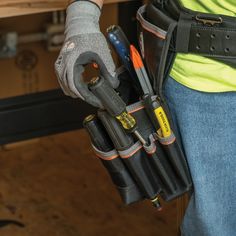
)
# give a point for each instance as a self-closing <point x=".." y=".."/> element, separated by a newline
<point x="207" y="125"/>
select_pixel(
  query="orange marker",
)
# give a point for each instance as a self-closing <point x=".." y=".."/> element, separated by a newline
<point x="140" y="71"/>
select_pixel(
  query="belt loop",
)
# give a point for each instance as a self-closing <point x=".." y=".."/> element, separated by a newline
<point x="183" y="34"/>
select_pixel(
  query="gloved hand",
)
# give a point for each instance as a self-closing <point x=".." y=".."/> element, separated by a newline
<point x="84" y="44"/>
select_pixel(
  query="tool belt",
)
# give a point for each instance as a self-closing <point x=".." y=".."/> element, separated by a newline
<point x="166" y="28"/>
<point x="141" y="171"/>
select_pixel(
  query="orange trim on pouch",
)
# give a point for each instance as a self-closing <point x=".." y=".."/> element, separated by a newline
<point x="169" y="142"/>
<point x="152" y="151"/>
<point x="152" y="31"/>
<point x="132" y="153"/>
<point x="107" y="158"/>
<point x="137" y="109"/>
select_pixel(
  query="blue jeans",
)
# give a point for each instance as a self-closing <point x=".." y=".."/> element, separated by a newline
<point x="207" y="126"/>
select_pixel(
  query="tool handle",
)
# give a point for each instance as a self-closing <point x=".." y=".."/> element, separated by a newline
<point x="157" y="115"/>
<point x="111" y="101"/>
<point x="147" y="100"/>
<point x="121" y="44"/>
<point x="119" y="137"/>
<point x="162" y="119"/>
<point x="97" y="133"/>
<point x="118" y="39"/>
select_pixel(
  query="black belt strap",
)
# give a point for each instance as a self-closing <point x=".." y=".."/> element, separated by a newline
<point x="206" y="34"/>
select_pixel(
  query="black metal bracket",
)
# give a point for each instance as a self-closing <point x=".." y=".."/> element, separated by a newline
<point x="29" y="116"/>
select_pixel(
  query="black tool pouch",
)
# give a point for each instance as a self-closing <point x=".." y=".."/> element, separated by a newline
<point x="176" y="159"/>
<point x="156" y="37"/>
<point x="121" y="177"/>
<point x="142" y="172"/>
<point x="133" y="155"/>
<point x="155" y="42"/>
<point x="158" y="167"/>
<point x="114" y="164"/>
<point x="164" y="155"/>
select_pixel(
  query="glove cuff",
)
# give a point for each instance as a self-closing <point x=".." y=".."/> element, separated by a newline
<point x="82" y="17"/>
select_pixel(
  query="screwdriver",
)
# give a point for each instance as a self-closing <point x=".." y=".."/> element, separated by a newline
<point x="97" y="134"/>
<point x="157" y="113"/>
<point x="153" y="107"/>
<point x="121" y="44"/>
<point x="115" y="106"/>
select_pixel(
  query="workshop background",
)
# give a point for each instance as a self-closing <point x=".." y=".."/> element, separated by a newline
<point x="50" y="181"/>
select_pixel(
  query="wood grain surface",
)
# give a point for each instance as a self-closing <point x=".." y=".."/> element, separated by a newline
<point x="22" y="7"/>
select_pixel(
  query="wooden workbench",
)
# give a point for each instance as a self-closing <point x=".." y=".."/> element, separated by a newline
<point x="22" y="7"/>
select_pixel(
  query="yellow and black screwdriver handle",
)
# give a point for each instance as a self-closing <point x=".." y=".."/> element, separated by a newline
<point x="157" y="115"/>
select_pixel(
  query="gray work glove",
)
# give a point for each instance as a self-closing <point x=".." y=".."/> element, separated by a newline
<point x="84" y="44"/>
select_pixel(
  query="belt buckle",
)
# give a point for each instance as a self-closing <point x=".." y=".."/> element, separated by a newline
<point x="209" y="20"/>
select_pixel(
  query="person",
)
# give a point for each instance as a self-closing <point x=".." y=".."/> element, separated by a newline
<point x="200" y="93"/>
